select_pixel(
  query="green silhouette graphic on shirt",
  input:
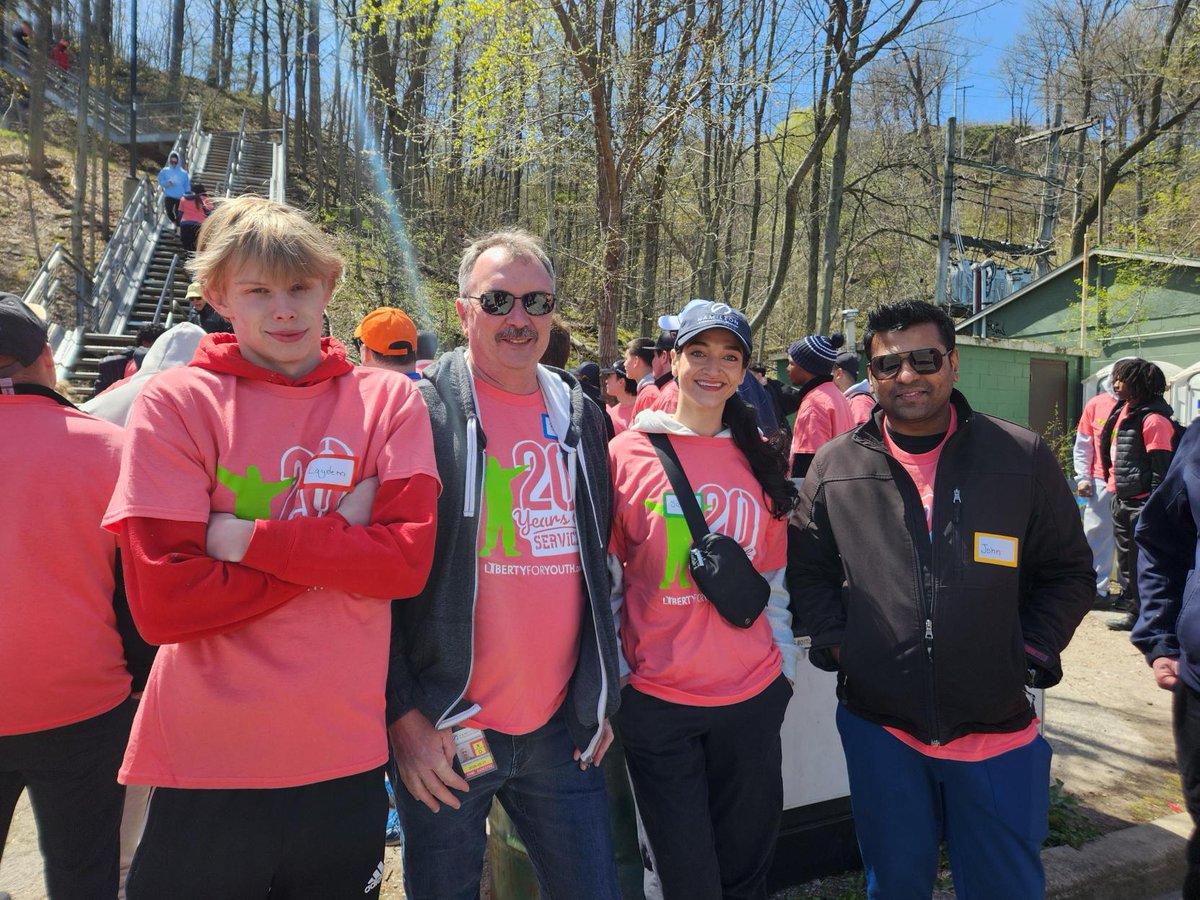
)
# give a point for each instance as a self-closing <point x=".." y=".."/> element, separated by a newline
<point x="252" y="495"/>
<point x="497" y="488"/>
<point x="679" y="542"/>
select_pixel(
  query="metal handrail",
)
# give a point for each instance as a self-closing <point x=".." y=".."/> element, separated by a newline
<point x="168" y="285"/>
<point x="235" y="153"/>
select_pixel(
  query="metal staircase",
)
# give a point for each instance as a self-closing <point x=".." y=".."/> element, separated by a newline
<point x="142" y="277"/>
<point x="158" y="123"/>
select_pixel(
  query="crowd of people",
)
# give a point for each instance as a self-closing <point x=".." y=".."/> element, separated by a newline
<point x="283" y="578"/>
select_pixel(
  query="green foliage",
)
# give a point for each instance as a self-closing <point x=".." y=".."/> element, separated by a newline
<point x="1068" y="825"/>
<point x="1115" y="310"/>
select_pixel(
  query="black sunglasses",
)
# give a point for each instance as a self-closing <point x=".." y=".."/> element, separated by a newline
<point x="923" y="362"/>
<point x="500" y="303"/>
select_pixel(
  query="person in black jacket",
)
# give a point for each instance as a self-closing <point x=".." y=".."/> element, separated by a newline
<point x="1136" y="447"/>
<point x="1168" y="630"/>
<point x="939" y="566"/>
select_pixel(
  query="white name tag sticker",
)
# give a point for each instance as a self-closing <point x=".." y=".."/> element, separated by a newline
<point x="675" y="509"/>
<point x="996" y="549"/>
<point x="330" y="471"/>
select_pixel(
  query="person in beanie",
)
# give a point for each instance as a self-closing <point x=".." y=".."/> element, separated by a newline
<point x="824" y="412"/>
<point x="857" y="393"/>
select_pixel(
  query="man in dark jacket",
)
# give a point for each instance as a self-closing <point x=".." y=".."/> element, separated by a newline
<point x="940" y="568"/>
<point x="504" y="669"/>
<point x="1167" y="633"/>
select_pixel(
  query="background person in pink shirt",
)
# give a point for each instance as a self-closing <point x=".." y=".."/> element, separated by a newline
<point x="69" y="652"/>
<point x="272" y="499"/>
<point x="623" y="389"/>
<point x="704" y="701"/>
<point x="1136" y="446"/>
<point x="857" y="393"/>
<point x="504" y="669"/>
<point x="823" y="412"/>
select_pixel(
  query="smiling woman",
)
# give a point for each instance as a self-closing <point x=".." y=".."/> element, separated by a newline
<point x="704" y="700"/>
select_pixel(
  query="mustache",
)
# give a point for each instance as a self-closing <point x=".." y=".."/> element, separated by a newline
<point x="517" y="333"/>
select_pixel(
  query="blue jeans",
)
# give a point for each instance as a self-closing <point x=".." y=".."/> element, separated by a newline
<point x="993" y="815"/>
<point x="560" y="812"/>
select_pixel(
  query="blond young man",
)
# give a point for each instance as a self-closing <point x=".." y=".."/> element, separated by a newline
<point x="272" y="499"/>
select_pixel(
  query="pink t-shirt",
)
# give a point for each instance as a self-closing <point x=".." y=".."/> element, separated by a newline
<point x="529" y="603"/>
<point x="1157" y="432"/>
<point x="860" y="407"/>
<point x="823" y="415"/>
<point x="668" y="397"/>
<point x="922" y="468"/>
<point x="61" y="659"/>
<point x="678" y="646"/>
<point x="621" y="415"/>
<point x="646" y="396"/>
<point x="296" y="696"/>
<point x="1091" y="424"/>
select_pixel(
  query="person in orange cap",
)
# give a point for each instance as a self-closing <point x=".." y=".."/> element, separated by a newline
<point x="386" y="338"/>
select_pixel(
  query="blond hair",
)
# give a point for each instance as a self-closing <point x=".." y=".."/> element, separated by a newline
<point x="280" y="238"/>
<point x="517" y="242"/>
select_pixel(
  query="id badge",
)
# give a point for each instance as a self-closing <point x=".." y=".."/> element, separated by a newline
<point x="473" y="752"/>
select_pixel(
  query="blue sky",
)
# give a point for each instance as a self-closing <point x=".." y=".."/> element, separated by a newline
<point x="984" y="36"/>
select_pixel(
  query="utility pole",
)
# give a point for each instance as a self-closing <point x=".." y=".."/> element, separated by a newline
<point x="1100" y="185"/>
<point x="1050" y="193"/>
<point x="943" y="261"/>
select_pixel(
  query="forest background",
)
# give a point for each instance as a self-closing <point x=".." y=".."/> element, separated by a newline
<point x="783" y="156"/>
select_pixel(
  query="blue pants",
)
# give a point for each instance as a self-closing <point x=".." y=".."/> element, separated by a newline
<point x="560" y="813"/>
<point x="992" y="815"/>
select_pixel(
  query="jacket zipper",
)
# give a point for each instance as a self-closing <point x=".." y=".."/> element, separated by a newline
<point x="590" y="751"/>
<point x="472" y="497"/>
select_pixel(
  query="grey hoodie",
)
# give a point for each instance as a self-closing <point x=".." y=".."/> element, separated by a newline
<point x="433" y="633"/>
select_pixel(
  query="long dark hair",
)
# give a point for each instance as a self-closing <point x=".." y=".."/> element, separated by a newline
<point x="767" y="455"/>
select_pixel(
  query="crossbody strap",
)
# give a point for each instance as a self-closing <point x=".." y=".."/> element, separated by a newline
<point x="680" y="485"/>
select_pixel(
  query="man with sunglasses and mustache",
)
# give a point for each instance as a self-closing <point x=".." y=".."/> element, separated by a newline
<point x="504" y="669"/>
<point x="940" y="568"/>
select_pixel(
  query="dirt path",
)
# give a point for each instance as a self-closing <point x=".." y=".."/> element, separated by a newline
<point x="1110" y="727"/>
<point x="1108" y="723"/>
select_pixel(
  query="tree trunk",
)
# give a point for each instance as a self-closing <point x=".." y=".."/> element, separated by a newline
<point x="82" y="149"/>
<point x="37" y="90"/>
<point x="833" y="216"/>
<point x="213" y="76"/>
<point x="175" y="68"/>
<point x="314" y="96"/>
<point x="265" y="108"/>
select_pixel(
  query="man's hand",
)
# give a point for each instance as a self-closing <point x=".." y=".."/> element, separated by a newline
<point x="228" y="537"/>
<point x="1166" y="672"/>
<point x="606" y="739"/>
<point x="1085" y="488"/>
<point x="425" y="757"/>
<point x="836" y="653"/>
<point x="355" y="507"/>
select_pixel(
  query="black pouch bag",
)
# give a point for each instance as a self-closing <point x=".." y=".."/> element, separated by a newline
<point x="718" y="564"/>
